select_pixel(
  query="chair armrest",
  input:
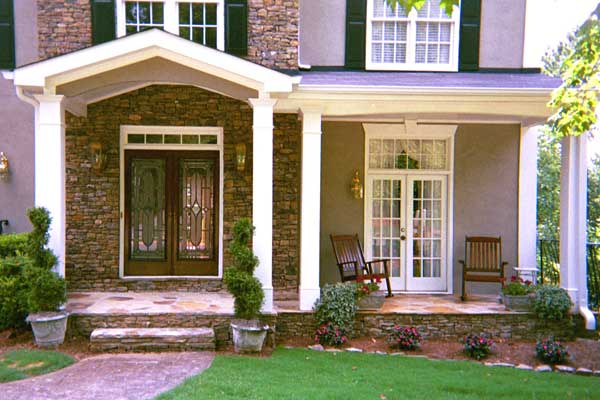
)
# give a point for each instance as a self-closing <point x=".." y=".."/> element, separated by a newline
<point x="383" y="260"/>
<point x="347" y="263"/>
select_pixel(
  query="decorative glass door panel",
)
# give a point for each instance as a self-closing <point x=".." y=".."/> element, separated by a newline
<point x="148" y="210"/>
<point x="171" y="213"/>
<point x="386" y="209"/>
<point x="426" y="234"/>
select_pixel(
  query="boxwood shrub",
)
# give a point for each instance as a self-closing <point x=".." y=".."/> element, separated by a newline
<point x="552" y="303"/>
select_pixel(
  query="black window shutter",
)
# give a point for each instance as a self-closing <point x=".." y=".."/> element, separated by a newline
<point x="236" y="27"/>
<point x="103" y="21"/>
<point x="470" y="21"/>
<point x="7" y="35"/>
<point x="356" y="22"/>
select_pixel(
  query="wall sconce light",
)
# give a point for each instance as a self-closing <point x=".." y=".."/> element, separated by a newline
<point x="240" y="156"/>
<point x="4" y="166"/>
<point x="98" y="156"/>
<point x="356" y="187"/>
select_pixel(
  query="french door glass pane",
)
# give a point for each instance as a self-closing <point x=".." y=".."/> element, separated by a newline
<point x="196" y="210"/>
<point x="427" y="232"/>
<point x="148" y="215"/>
<point x="386" y="222"/>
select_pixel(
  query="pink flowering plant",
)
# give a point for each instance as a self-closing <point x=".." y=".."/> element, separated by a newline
<point x="551" y="351"/>
<point x="477" y="346"/>
<point x="328" y="334"/>
<point x="518" y="287"/>
<point x="404" y="337"/>
<point x="365" y="288"/>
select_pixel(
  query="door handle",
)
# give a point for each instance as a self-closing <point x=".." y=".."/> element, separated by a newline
<point x="402" y="237"/>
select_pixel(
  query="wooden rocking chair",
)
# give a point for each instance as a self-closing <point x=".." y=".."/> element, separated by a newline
<point x="352" y="265"/>
<point x="483" y="261"/>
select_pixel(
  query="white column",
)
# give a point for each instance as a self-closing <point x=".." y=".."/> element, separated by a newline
<point x="310" y="220"/>
<point x="262" y="194"/>
<point x="573" y="219"/>
<point x="50" y="169"/>
<point x="528" y="197"/>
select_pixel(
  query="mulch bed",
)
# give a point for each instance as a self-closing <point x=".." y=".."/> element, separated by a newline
<point x="584" y="353"/>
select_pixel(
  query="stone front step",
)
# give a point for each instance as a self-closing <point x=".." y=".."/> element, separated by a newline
<point x="152" y="339"/>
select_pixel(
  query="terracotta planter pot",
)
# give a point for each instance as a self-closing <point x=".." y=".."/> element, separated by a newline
<point x="248" y="335"/>
<point x="48" y="327"/>
<point x="518" y="303"/>
<point x="374" y="301"/>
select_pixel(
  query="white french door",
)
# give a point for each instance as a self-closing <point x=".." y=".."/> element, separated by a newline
<point x="407" y="223"/>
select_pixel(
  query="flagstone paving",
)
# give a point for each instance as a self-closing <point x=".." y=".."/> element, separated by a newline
<point x="221" y="303"/>
<point x="111" y="377"/>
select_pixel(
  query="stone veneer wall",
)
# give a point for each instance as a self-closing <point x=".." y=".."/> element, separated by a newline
<point x="92" y="261"/>
<point x="63" y="26"/>
<point x="286" y="325"/>
<point x="273" y="36"/>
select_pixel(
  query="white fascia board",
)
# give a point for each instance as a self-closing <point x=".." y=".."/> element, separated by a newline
<point x="141" y="46"/>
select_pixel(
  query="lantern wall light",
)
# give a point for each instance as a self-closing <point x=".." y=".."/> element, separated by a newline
<point x="4" y="166"/>
<point x="240" y="157"/>
<point x="356" y="187"/>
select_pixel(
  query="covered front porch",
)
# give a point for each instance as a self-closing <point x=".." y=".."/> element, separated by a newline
<point x="419" y="143"/>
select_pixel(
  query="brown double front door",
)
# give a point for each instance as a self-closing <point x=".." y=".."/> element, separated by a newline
<point x="171" y="213"/>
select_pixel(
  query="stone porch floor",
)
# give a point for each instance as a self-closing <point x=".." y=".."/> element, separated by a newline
<point x="102" y="303"/>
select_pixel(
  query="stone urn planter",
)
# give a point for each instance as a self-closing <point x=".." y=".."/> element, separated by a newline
<point x="371" y="302"/>
<point x="248" y="335"/>
<point x="518" y="303"/>
<point x="48" y="327"/>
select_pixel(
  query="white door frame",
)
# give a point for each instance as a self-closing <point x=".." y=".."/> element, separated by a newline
<point x="412" y="130"/>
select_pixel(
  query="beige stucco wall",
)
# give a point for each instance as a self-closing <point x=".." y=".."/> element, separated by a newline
<point x="323" y="29"/>
<point x="485" y="189"/>
<point x="342" y="154"/>
<point x="322" y="32"/>
<point x="16" y="126"/>
<point x="502" y="33"/>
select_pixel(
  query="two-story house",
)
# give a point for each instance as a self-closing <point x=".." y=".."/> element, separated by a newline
<point x="148" y="128"/>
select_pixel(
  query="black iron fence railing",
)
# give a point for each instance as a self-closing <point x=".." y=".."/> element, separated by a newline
<point x="548" y="252"/>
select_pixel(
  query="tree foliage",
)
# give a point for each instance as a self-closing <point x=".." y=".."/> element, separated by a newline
<point x="577" y="63"/>
<point x="446" y="5"/>
<point x="548" y="187"/>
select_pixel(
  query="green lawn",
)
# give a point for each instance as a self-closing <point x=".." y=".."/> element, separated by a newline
<point x="20" y="364"/>
<point x="304" y="374"/>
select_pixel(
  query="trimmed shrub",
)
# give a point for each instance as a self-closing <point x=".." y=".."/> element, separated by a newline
<point x="14" y="288"/>
<point x="337" y="305"/>
<point x="13" y="244"/>
<point x="335" y="312"/>
<point x="404" y="337"/>
<point x="552" y="303"/>
<point x="551" y="351"/>
<point x="47" y="292"/>
<point x="239" y="279"/>
<point x="477" y="346"/>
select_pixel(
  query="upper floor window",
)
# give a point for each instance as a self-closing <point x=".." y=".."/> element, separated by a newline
<point x="201" y="21"/>
<point x="416" y="40"/>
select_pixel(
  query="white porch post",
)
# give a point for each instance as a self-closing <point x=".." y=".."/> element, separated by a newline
<point x="50" y="168"/>
<point x="573" y="223"/>
<point x="528" y="197"/>
<point x="262" y="194"/>
<point x="310" y="220"/>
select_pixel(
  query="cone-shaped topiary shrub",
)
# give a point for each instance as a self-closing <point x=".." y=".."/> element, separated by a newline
<point x="239" y="277"/>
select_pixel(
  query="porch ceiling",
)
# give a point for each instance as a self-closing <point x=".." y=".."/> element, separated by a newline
<point x="138" y="59"/>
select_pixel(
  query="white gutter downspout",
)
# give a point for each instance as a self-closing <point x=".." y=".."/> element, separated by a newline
<point x="588" y="316"/>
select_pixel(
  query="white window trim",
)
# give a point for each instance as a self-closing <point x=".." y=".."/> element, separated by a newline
<point x="168" y="130"/>
<point x="171" y="17"/>
<point x="410" y="64"/>
<point x="412" y="130"/>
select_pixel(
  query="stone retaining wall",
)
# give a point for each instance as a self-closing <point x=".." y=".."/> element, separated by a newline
<point x="302" y="324"/>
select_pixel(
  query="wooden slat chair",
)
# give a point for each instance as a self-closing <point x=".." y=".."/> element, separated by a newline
<point x="351" y="261"/>
<point x="483" y="261"/>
